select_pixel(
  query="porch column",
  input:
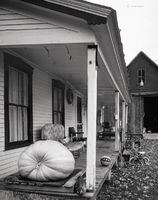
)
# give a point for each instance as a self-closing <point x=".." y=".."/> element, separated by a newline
<point x="126" y="120"/>
<point x="123" y="121"/>
<point x="92" y="119"/>
<point x="117" y="121"/>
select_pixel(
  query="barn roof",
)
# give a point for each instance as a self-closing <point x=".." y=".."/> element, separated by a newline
<point x="142" y="54"/>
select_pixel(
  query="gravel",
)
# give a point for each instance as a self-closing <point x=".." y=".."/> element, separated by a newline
<point x="134" y="182"/>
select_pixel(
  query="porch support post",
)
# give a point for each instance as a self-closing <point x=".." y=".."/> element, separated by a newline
<point x="123" y="121"/>
<point x="126" y="123"/>
<point x="117" y="121"/>
<point x="92" y="113"/>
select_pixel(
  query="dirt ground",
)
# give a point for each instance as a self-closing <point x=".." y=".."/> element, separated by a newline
<point x="134" y="182"/>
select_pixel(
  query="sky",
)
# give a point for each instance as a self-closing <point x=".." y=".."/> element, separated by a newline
<point x="138" y="21"/>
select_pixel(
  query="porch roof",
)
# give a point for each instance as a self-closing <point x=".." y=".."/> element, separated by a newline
<point x="97" y="16"/>
<point x="96" y="24"/>
<point x="92" y="13"/>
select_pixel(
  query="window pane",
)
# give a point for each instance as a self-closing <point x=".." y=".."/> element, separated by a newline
<point x="79" y="110"/>
<point x="143" y="75"/>
<point x="55" y="99"/>
<point x="20" y="124"/>
<point x="56" y="120"/>
<point x="58" y="117"/>
<point x="13" y="86"/>
<point x="60" y="102"/>
<point x="20" y="88"/>
<point x="139" y="72"/>
<point x="25" y="89"/>
<point x="25" y="124"/>
<point x="13" y="129"/>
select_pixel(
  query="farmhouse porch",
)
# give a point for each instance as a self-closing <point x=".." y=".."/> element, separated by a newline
<point x="63" y="44"/>
<point x="104" y="147"/>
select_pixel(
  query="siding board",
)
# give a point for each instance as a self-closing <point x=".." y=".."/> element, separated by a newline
<point x="4" y="11"/>
<point x="19" y="22"/>
<point x="12" y="17"/>
<point x="42" y="113"/>
<point x="10" y="20"/>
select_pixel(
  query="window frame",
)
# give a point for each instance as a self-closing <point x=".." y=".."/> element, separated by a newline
<point x="141" y="70"/>
<point x="17" y="63"/>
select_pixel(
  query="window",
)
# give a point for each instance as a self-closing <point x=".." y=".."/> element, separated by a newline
<point x="58" y="102"/>
<point x="141" y="76"/>
<point x="79" y="114"/>
<point x="18" y="102"/>
<point x="79" y="110"/>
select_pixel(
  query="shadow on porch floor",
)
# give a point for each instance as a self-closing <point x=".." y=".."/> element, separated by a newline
<point x="18" y="192"/>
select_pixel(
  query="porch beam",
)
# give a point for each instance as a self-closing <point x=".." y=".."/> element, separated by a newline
<point x="42" y="37"/>
<point x="117" y="121"/>
<point x="92" y="113"/>
<point x="123" y="121"/>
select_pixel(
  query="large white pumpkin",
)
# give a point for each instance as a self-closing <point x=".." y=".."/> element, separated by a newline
<point x="46" y="160"/>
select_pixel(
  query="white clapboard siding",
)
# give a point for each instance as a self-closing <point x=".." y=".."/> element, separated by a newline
<point x="24" y="21"/>
<point x="20" y="27"/>
<point x="8" y="161"/>
<point x="13" y="21"/>
<point x="42" y="114"/>
<point x="4" y="11"/>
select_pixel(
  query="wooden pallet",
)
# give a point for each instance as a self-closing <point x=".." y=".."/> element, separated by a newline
<point x="16" y="183"/>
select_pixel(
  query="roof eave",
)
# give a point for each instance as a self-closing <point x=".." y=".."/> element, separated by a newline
<point x="92" y="13"/>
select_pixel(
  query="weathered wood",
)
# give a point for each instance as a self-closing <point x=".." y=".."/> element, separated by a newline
<point x="43" y="36"/>
<point x="126" y="118"/>
<point x="92" y="108"/>
<point x="4" y="11"/>
<point x="12" y="16"/>
<point x="117" y="120"/>
<point x="29" y="26"/>
<point x="19" y="22"/>
<point x="102" y="173"/>
<point x="123" y="120"/>
<point x="24" y="30"/>
<point x="71" y="182"/>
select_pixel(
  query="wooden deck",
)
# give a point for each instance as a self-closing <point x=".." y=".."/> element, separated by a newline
<point x="104" y="147"/>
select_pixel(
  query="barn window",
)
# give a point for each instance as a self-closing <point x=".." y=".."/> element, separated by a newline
<point x="141" y="76"/>
<point x="18" y="102"/>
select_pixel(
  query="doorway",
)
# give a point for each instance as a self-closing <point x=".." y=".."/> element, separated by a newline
<point x="151" y="114"/>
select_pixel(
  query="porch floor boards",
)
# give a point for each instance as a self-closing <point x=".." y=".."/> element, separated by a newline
<point x="104" y="147"/>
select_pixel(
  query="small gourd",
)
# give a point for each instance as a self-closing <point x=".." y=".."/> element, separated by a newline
<point x="105" y="160"/>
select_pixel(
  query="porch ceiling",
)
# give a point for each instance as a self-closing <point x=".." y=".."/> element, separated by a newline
<point x="69" y="62"/>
